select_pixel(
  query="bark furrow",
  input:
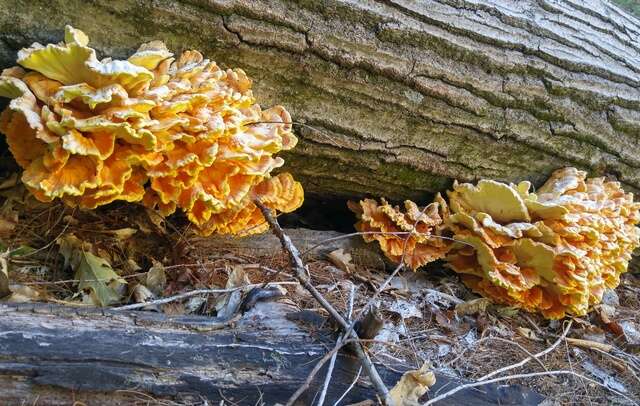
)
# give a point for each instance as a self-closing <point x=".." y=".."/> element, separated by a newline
<point x="399" y="97"/>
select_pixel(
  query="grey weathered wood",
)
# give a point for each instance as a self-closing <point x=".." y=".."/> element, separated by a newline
<point x="406" y="94"/>
<point x="54" y="355"/>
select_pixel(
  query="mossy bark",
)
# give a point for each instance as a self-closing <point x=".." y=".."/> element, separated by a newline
<point x="400" y="97"/>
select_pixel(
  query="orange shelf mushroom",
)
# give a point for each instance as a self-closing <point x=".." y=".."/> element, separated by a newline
<point x="554" y="251"/>
<point x="173" y="134"/>
<point x="414" y="235"/>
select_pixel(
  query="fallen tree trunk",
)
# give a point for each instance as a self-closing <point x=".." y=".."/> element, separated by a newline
<point x="56" y="355"/>
<point x="402" y="96"/>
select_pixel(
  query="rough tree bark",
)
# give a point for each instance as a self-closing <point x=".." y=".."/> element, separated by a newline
<point x="405" y="95"/>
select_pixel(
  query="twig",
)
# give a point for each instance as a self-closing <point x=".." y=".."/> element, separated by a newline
<point x="628" y="366"/>
<point x="332" y="363"/>
<point x="355" y="380"/>
<point x="384" y="285"/>
<point x="521" y="376"/>
<point x="352" y="295"/>
<point x="349" y="330"/>
<point x="526" y="360"/>
<point x="49" y="244"/>
<point x="345" y="236"/>
<point x="66" y="281"/>
<point x="196" y="292"/>
<point x="339" y="344"/>
<point x="327" y="378"/>
<point x="584" y="385"/>
<point x="504" y="340"/>
<point x="590" y="344"/>
<point x="303" y="278"/>
<point x="531" y="322"/>
<point x="443" y="295"/>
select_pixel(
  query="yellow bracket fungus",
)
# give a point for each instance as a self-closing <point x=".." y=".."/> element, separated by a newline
<point x="554" y="251"/>
<point x="171" y="133"/>
<point x="414" y="234"/>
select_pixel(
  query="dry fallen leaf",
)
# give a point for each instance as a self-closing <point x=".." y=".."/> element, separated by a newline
<point x="142" y="294"/>
<point x="405" y="309"/>
<point x="606" y="312"/>
<point x="94" y="273"/>
<point x="14" y="293"/>
<point x="6" y="226"/>
<point x="9" y="182"/>
<point x="608" y="378"/>
<point x="156" y="278"/>
<point x="24" y="294"/>
<point x="342" y="260"/>
<point x="69" y="219"/>
<point x="474" y="306"/>
<point x="4" y="275"/>
<point x="157" y="220"/>
<point x="123" y="233"/>
<point x="528" y="333"/>
<point x="228" y="304"/>
<point x="132" y="265"/>
<point x="412" y="386"/>
<point x="631" y="332"/>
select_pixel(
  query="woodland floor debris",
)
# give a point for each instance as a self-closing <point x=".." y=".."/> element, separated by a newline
<point x="469" y="341"/>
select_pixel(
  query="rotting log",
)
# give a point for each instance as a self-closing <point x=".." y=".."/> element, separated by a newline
<point x="56" y="355"/>
<point x="402" y="96"/>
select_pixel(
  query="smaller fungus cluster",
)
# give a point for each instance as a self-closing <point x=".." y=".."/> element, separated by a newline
<point x="414" y="236"/>
<point x="554" y="251"/>
<point x="172" y="133"/>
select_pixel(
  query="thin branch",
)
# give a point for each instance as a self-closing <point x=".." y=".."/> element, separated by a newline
<point x="504" y="340"/>
<point x="355" y="381"/>
<point x="590" y="344"/>
<point x="352" y="295"/>
<point x="526" y="360"/>
<point x="196" y="292"/>
<point x="303" y="278"/>
<point x="67" y="281"/>
<point x="339" y="344"/>
<point x="332" y="363"/>
<point x="443" y="295"/>
<point x="624" y="362"/>
<point x="327" y="378"/>
<point x="384" y="285"/>
<point x="49" y="244"/>
<point x="521" y="376"/>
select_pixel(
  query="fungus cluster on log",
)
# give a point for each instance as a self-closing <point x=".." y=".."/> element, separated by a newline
<point x="171" y="133"/>
<point x="415" y="235"/>
<point x="185" y="134"/>
<point x="554" y="251"/>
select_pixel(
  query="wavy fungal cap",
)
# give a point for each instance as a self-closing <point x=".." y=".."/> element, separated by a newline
<point x="169" y="132"/>
<point x="553" y="252"/>
<point x="413" y="235"/>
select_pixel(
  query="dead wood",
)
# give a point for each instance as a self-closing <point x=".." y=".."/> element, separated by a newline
<point x="54" y="355"/>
